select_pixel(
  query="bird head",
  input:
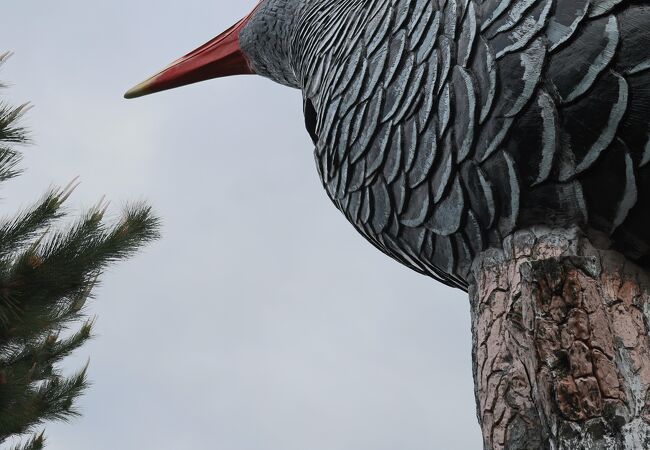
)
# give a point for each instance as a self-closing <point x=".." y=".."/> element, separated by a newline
<point x="257" y="44"/>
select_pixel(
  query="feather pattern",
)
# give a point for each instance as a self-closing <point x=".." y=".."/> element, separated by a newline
<point x="443" y="126"/>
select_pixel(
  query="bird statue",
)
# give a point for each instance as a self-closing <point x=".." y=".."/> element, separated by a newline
<point x="443" y="127"/>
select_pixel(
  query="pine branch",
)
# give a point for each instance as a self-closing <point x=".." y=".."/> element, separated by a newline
<point x="24" y="227"/>
<point x="58" y="273"/>
<point x="50" y="400"/>
<point x="47" y="351"/>
<point x="11" y="133"/>
<point x="9" y="159"/>
<point x="10" y="116"/>
<point x="47" y="273"/>
<point x="36" y="442"/>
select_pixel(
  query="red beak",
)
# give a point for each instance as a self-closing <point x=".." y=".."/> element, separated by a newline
<point x="220" y="57"/>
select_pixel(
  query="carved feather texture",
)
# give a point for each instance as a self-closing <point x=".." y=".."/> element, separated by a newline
<point x="443" y="126"/>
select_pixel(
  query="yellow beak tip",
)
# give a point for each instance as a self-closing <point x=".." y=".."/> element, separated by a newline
<point x="137" y="91"/>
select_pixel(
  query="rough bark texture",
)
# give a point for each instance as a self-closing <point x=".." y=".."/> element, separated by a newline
<point x="560" y="345"/>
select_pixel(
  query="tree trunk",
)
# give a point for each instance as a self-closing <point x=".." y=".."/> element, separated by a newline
<point x="561" y="352"/>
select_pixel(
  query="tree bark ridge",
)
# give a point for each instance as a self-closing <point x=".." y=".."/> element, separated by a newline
<point x="561" y="353"/>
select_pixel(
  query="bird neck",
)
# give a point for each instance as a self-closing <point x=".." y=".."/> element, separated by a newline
<point x="265" y="40"/>
<point x="322" y="29"/>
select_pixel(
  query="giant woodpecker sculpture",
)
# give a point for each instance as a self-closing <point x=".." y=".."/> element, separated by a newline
<point x="497" y="145"/>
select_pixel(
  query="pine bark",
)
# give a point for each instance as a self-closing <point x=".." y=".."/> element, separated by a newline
<point x="561" y="352"/>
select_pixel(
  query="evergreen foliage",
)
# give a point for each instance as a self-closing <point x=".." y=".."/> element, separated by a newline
<point x="47" y="273"/>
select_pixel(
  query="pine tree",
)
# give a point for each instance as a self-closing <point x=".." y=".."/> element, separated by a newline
<point x="47" y="273"/>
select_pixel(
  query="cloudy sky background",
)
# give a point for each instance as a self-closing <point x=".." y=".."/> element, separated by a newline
<point x="261" y="320"/>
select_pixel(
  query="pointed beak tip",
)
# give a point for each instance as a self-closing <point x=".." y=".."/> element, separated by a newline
<point x="136" y="91"/>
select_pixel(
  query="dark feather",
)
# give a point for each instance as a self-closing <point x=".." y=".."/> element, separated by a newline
<point x="442" y="127"/>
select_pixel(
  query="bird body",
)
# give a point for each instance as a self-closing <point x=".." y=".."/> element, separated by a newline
<point x="441" y="127"/>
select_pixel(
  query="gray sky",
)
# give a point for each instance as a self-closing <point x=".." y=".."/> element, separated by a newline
<point x="261" y="320"/>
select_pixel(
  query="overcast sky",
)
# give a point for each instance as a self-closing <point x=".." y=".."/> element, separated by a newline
<point x="261" y="320"/>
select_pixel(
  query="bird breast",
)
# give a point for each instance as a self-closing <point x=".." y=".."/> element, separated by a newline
<point x="441" y="127"/>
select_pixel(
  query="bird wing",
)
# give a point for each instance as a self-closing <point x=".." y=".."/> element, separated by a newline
<point x="441" y="127"/>
<point x="580" y="144"/>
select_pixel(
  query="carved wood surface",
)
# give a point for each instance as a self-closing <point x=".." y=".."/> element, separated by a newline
<point x="561" y="350"/>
